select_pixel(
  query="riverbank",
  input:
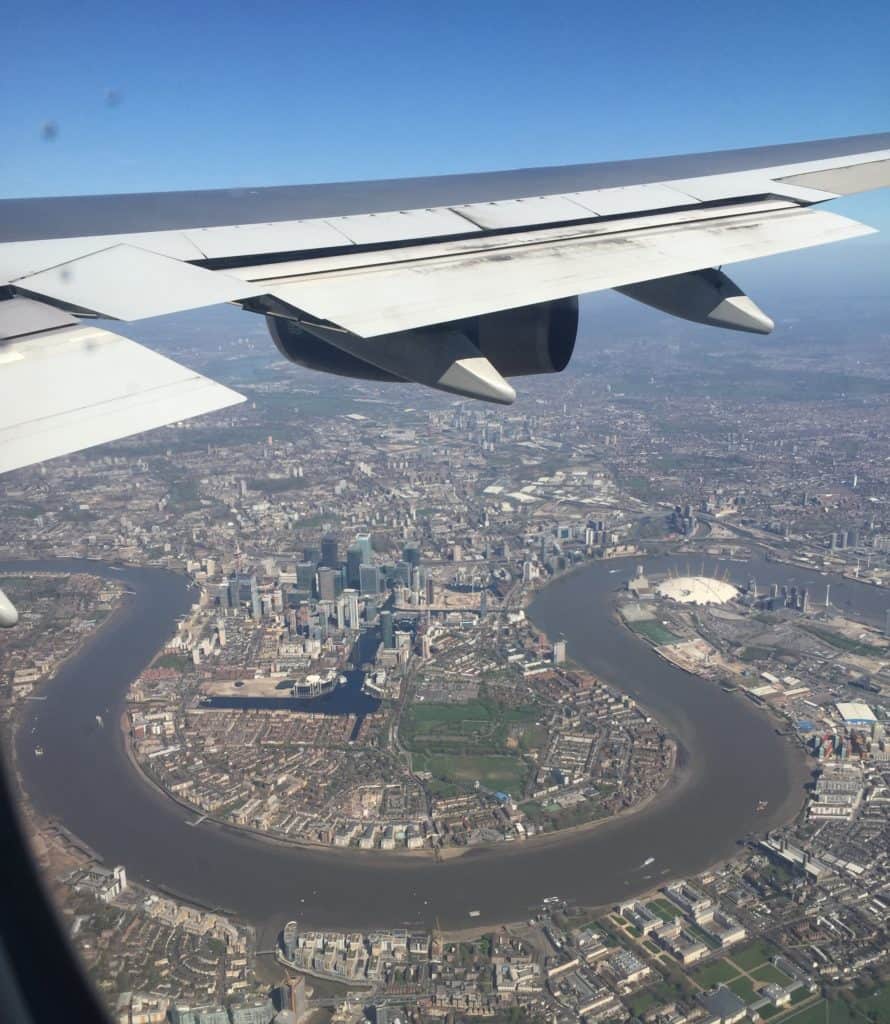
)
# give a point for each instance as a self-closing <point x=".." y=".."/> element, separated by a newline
<point x="87" y="783"/>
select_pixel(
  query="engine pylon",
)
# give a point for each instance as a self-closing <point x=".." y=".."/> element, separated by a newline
<point x="704" y="297"/>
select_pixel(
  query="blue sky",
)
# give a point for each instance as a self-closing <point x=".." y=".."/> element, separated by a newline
<point x="222" y="94"/>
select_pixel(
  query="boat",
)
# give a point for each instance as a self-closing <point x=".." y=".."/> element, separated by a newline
<point x="38" y="751"/>
<point x="648" y="861"/>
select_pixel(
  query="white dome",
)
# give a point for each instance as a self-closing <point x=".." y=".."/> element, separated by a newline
<point x="696" y="590"/>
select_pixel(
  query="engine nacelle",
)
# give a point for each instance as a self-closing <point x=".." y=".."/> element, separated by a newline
<point x="298" y="346"/>
<point x="466" y="357"/>
<point x="529" y="339"/>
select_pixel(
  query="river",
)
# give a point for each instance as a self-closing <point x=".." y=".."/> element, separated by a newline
<point x="731" y="758"/>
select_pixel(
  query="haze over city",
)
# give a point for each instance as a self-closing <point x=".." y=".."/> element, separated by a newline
<point x="358" y="699"/>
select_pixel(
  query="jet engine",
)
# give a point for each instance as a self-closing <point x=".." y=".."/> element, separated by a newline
<point x="465" y="357"/>
<point x="299" y="346"/>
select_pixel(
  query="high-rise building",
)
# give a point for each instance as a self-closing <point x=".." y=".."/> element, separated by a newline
<point x="355" y="558"/>
<point x="292" y="996"/>
<point x="387" y="630"/>
<point x="244" y="588"/>
<point x="306" y="576"/>
<point x="330" y="583"/>
<point x="369" y="579"/>
<point x="411" y="554"/>
<point x="353" y="615"/>
<point x="330" y="553"/>
<point x="416" y="582"/>
<point x="887" y="624"/>
<point x="364" y="542"/>
<point x="312" y="555"/>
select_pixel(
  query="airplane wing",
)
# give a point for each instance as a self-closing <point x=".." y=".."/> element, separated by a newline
<point x="456" y="282"/>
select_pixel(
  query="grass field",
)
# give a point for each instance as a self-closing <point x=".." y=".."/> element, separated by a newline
<point x="770" y="973"/>
<point x="815" y="1014"/>
<point x="479" y="726"/>
<point x="641" y="1002"/>
<point x="878" y="1003"/>
<point x="843" y="643"/>
<point x="754" y="955"/>
<point x="712" y="974"/>
<point x="655" y="632"/>
<point x="665" y="909"/>
<point x="503" y="774"/>
<point x="744" y="989"/>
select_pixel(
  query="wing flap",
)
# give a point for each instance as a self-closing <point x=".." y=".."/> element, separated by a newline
<point x="396" y="297"/>
<point x="74" y="387"/>
<point x="127" y="283"/>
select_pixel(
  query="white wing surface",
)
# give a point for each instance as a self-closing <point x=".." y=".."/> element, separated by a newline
<point x="379" y="269"/>
<point x="74" y="386"/>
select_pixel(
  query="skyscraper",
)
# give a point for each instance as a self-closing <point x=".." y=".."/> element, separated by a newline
<point x="330" y="553"/>
<point x="387" y="630"/>
<point x="244" y="588"/>
<point x="329" y="584"/>
<point x="353" y="614"/>
<point x="364" y="542"/>
<point x="411" y="554"/>
<point x="369" y="579"/>
<point x="355" y="558"/>
<point x="306" y="576"/>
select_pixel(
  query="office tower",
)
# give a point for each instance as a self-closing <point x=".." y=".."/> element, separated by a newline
<point x="369" y="579"/>
<point x="306" y="576"/>
<point x="411" y="554"/>
<point x="355" y="558"/>
<point x="353" y="614"/>
<point x="483" y="604"/>
<point x="402" y="573"/>
<point x="341" y="612"/>
<point x="330" y="583"/>
<point x="329" y="553"/>
<point x="364" y="542"/>
<point x="312" y="555"/>
<point x="244" y="588"/>
<point x="387" y="630"/>
<point x="430" y="590"/>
